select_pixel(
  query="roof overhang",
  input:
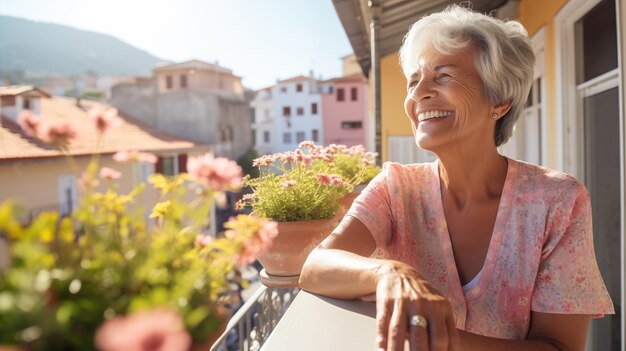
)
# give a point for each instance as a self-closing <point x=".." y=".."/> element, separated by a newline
<point x="395" y="18"/>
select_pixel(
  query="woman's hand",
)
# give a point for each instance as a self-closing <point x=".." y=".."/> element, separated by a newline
<point x="402" y="293"/>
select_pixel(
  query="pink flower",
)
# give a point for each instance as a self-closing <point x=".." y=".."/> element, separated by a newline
<point x="126" y="156"/>
<point x="248" y="197"/>
<point x="29" y="123"/>
<point x="289" y="183"/>
<point x="323" y="179"/>
<point x="86" y="182"/>
<point x="218" y="173"/>
<point x="306" y="143"/>
<point x="59" y="134"/>
<point x="258" y="243"/>
<point x="153" y="330"/>
<point x="104" y="119"/>
<point x="146" y="157"/>
<point x="265" y="160"/>
<point x="331" y="179"/>
<point x="203" y="240"/>
<point x="109" y="173"/>
<point x="287" y="157"/>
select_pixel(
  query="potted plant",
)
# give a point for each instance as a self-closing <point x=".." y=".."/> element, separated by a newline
<point x="300" y="190"/>
<point x="106" y="277"/>
<point x="355" y="165"/>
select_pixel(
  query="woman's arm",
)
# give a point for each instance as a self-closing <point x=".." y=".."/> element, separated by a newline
<point x="340" y="268"/>
<point x="548" y="331"/>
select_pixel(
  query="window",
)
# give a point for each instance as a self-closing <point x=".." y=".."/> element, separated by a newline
<point x="315" y="135"/>
<point x="7" y="100"/>
<point x="299" y="87"/>
<point x="283" y="89"/>
<point x="314" y="108"/>
<point x="353" y="94"/>
<point x="26" y="104"/>
<point x="351" y="125"/>
<point x="287" y="138"/>
<point x="341" y="94"/>
<point x="252" y="115"/>
<point x="266" y="137"/>
<point x="286" y="111"/>
<point x="300" y="111"/>
<point x="267" y="113"/>
<point x="169" y="82"/>
<point x="183" y="81"/>
<point x="300" y="137"/>
<point x="167" y="165"/>
<point x="253" y="137"/>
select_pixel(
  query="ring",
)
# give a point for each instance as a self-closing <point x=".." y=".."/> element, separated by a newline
<point x="418" y="321"/>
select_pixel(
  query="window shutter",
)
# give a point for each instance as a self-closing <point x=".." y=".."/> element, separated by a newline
<point x="158" y="167"/>
<point x="182" y="163"/>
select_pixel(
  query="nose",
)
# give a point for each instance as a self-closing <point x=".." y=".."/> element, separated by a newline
<point x="423" y="90"/>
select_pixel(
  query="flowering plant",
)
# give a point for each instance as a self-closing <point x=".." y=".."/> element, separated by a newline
<point x="304" y="184"/>
<point x="353" y="164"/>
<point x="107" y="277"/>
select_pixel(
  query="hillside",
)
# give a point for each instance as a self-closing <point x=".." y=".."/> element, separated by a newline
<point x="52" y="48"/>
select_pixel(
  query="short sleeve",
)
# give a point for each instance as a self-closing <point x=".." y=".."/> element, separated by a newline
<point x="372" y="207"/>
<point x="568" y="280"/>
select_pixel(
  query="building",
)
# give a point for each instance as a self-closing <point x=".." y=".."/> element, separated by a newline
<point x="345" y="107"/>
<point x="40" y="177"/>
<point x="573" y="121"/>
<point x="196" y="100"/>
<point x="286" y="114"/>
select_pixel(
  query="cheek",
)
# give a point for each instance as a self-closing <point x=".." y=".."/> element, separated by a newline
<point x="408" y="106"/>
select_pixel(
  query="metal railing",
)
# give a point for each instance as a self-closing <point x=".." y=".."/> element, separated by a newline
<point x="252" y="324"/>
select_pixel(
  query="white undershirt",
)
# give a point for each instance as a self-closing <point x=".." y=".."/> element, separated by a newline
<point x="472" y="284"/>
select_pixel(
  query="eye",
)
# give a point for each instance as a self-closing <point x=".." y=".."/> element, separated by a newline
<point x="413" y="83"/>
<point x="444" y="76"/>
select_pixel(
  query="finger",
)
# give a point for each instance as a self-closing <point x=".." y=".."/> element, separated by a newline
<point x="438" y="332"/>
<point x="453" y="333"/>
<point x="384" y="308"/>
<point x="397" y="327"/>
<point x="418" y="338"/>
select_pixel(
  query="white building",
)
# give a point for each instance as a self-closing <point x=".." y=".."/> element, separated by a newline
<point x="286" y="114"/>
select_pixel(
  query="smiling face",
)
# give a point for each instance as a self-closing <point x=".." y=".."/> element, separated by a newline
<point x="446" y="103"/>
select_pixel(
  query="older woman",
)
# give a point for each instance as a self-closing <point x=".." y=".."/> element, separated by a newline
<point x="474" y="251"/>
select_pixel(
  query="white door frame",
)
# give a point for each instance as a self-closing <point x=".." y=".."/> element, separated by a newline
<point x="570" y="139"/>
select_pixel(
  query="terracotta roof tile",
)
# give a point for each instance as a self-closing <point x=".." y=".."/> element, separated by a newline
<point x="13" y="90"/>
<point x="130" y="135"/>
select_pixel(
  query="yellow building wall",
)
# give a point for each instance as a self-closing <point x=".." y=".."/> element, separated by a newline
<point x="394" y="121"/>
<point x="534" y="14"/>
<point x="35" y="184"/>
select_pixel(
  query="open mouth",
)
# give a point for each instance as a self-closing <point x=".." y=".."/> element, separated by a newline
<point x="424" y="116"/>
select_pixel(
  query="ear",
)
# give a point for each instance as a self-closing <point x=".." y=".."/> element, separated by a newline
<point x="502" y="108"/>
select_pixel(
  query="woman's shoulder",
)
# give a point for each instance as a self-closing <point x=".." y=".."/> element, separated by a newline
<point x="535" y="178"/>
<point x="412" y="168"/>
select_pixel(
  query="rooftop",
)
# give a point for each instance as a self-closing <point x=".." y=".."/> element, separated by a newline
<point x="129" y="135"/>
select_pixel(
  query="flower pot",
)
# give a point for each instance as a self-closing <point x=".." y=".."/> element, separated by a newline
<point x="347" y="200"/>
<point x="284" y="259"/>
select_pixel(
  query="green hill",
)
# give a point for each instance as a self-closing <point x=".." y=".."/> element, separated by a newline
<point x="52" y="48"/>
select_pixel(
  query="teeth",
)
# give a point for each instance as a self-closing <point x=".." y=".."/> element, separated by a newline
<point x="432" y="114"/>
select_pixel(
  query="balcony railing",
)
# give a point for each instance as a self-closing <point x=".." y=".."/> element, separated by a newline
<point x="252" y="324"/>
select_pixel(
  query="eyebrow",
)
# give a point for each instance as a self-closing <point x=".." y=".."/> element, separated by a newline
<point x="440" y="67"/>
<point x="436" y="68"/>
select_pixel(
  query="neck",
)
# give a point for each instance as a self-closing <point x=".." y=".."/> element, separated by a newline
<point x="472" y="174"/>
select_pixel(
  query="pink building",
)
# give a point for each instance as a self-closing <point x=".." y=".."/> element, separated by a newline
<point x="345" y="110"/>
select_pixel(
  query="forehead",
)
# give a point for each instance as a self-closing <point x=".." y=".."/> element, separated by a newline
<point x="432" y="59"/>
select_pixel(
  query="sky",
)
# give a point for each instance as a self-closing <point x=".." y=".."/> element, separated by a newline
<point x="260" y="40"/>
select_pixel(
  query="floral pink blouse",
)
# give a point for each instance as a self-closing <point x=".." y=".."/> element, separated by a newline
<point x="540" y="257"/>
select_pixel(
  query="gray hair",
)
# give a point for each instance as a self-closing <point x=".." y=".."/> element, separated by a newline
<point x="504" y="58"/>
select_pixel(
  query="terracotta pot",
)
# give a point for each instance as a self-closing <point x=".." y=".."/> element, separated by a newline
<point x="347" y="200"/>
<point x="293" y="244"/>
